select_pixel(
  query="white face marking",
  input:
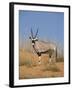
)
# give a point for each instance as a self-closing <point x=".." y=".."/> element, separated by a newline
<point x="32" y="44"/>
<point x="35" y="39"/>
<point x="54" y="48"/>
<point x="32" y="39"/>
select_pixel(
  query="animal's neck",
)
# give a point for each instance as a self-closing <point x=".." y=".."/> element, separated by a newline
<point x="38" y="53"/>
<point x="33" y="44"/>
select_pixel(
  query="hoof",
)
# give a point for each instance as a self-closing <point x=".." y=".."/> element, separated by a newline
<point x="39" y="62"/>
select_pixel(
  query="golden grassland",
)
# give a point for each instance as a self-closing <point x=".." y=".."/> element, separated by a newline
<point x="29" y="67"/>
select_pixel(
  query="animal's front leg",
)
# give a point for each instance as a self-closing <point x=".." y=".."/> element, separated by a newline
<point x="39" y="60"/>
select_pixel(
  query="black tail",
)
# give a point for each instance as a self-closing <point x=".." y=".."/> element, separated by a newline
<point x="56" y="53"/>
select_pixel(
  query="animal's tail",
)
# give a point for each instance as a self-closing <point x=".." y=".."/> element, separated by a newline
<point x="56" y="53"/>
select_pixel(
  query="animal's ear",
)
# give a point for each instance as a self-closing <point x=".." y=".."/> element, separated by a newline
<point x="31" y="33"/>
<point x="36" y="33"/>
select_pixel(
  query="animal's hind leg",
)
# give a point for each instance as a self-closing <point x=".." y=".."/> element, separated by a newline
<point x="54" y="57"/>
<point x="50" y="60"/>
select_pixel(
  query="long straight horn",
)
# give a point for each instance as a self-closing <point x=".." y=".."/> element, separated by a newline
<point x="31" y="33"/>
<point x="36" y="33"/>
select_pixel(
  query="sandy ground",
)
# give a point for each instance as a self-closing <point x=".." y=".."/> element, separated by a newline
<point x="41" y="71"/>
<point x="29" y="67"/>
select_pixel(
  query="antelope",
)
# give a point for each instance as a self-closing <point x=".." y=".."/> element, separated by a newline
<point x="42" y="47"/>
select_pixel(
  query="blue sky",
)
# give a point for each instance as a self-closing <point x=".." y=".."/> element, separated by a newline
<point x="50" y="24"/>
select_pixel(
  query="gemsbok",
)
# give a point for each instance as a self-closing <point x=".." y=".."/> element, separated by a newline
<point x="41" y="47"/>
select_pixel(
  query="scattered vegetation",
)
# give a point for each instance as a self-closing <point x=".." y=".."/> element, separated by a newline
<point x="53" y="76"/>
<point x="28" y="77"/>
<point x="27" y="63"/>
<point x="29" y="67"/>
<point x="61" y="59"/>
<point x="51" y="67"/>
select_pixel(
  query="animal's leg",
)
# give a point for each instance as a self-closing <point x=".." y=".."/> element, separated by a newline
<point x="54" y="57"/>
<point x="39" y="60"/>
<point x="54" y="60"/>
<point x="50" y="60"/>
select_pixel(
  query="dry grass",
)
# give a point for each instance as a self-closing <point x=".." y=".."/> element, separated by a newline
<point x="60" y="59"/>
<point x="51" y="67"/>
<point x="27" y="63"/>
<point x="29" y="67"/>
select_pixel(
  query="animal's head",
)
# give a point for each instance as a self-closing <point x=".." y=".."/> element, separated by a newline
<point x="33" y="37"/>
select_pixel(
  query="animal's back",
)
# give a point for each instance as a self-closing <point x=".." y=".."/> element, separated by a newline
<point x="42" y="46"/>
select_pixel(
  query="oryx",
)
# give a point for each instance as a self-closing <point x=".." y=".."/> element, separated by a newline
<point x="42" y="47"/>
